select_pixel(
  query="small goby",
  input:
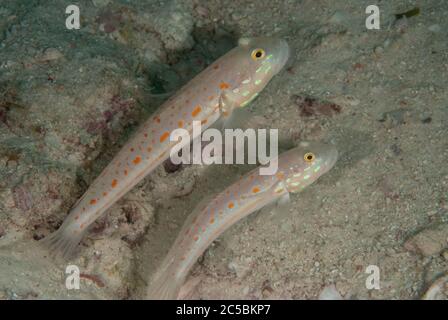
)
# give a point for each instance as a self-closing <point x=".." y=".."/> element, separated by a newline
<point x="230" y="82"/>
<point x="297" y="168"/>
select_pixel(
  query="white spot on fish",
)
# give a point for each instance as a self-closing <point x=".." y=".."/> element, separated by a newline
<point x="257" y="82"/>
<point x="306" y="177"/>
<point x="246" y="81"/>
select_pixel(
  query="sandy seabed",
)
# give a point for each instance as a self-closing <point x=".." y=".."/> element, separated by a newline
<point x="69" y="99"/>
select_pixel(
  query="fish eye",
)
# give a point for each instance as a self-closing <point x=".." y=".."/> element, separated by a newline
<point x="309" y="157"/>
<point x="258" y="54"/>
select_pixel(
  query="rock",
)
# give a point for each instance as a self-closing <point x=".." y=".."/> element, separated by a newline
<point x="445" y="255"/>
<point x="174" y="25"/>
<point x="395" y="118"/>
<point x="241" y="267"/>
<point x="430" y="241"/>
<point x="339" y="17"/>
<point x="100" y="3"/>
<point x="50" y="54"/>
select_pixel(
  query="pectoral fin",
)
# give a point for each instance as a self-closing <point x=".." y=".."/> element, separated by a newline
<point x="227" y="103"/>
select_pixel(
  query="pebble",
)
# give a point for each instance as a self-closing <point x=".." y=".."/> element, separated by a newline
<point x="202" y="11"/>
<point x="435" y="28"/>
<point x="237" y="15"/>
<point x="51" y="54"/>
<point x="445" y="255"/>
<point x="379" y="50"/>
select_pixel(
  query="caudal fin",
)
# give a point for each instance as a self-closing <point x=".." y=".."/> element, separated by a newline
<point x="62" y="243"/>
<point x="164" y="286"/>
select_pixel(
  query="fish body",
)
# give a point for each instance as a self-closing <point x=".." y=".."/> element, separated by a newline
<point x="252" y="192"/>
<point x="230" y="82"/>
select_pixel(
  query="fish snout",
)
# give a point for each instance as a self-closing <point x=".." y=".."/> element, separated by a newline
<point x="284" y="54"/>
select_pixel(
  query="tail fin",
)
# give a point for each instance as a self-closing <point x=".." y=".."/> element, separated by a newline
<point x="166" y="284"/>
<point x="164" y="288"/>
<point x="62" y="243"/>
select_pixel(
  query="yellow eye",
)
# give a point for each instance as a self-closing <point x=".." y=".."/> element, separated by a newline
<point x="309" y="157"/>
<point x="258" y="54"/>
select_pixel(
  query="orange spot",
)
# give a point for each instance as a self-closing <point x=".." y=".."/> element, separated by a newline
<point x="149" y="149"/>
<point x="196" y="238"/>
<point x="212" y="220"/>
<point x="224" y="85"/>
<point x="104" y="194"/>
<point x="81" y="226"/>
<point x="216" y="67"/>
<point x="255" y="190"/>
<point x="196" y="111"/>
<point x="204" y="121"/>
<point x="231" y="205"/>
<point x="180" y="124"/>
<point x="137" y="160"/>
<point x="225" y="113"/>
<point x="211" y="98"/>
<point x="146" y="135"/>
<point x="132" y="149"/>
<point x="93" y="201"/>
<point x="280" y="175"/>
<point x="156" y="119"/>
<point x="164" y="136"/>
<point x="114" y="183"/>
<point x="125" y="172"/>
